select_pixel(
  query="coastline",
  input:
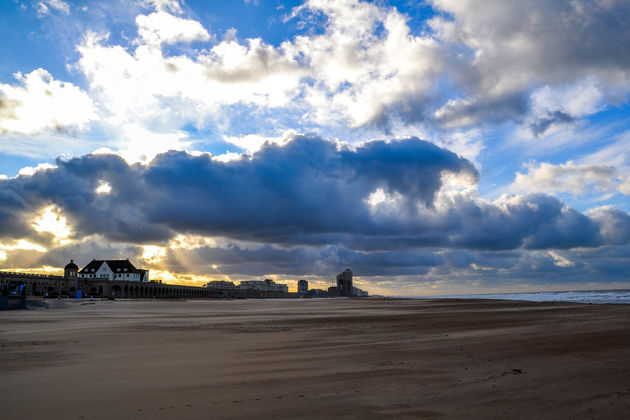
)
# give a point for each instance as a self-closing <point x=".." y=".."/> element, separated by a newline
<point x="591" y="296"/>
<point x="316" y="358"/>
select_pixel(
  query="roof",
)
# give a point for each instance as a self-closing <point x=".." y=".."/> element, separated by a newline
<point x="71" y="266"/>
<point x="114" y="265"/>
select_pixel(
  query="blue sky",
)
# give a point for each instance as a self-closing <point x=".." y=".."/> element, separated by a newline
<point x="485" y="143"/>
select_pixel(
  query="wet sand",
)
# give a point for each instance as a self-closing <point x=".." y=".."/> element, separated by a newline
<point x="315" y="359"/>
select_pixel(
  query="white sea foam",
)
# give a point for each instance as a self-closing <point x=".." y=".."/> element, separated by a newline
<point x="621" y="296"/>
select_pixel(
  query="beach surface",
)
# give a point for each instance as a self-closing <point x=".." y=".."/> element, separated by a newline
<point x="315" y="358"/>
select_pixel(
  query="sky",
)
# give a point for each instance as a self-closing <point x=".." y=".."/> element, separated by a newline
<point x="437" y="147"/>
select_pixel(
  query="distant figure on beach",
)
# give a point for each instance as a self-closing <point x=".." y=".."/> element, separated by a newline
<point x="23" y="295"/>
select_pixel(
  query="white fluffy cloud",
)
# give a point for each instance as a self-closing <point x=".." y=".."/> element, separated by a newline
<point x="568" y="177"/>
<point x="252" y="143"/>
<point x="163" y="28"/>
<point x="350" y="74"/>
<point x="144" y="85"/>
<point x="359" y="71"/>
<point x="40" y="103"/>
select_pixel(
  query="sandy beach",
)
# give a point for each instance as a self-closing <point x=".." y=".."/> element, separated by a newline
<point x="364" y="358"/>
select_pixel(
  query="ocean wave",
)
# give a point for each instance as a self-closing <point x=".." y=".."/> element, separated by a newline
<point x="619" y="296"/>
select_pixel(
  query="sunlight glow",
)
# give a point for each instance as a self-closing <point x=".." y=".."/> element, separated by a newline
<point x="186" y="279"/>
<point x="49" y="220"/>
<point x="103" y="188"/>
<point x="191" y="242"/>
<point x="46" y="269"/>
<point x="380" y="201"/>
<point x="153" y="254"/>
<point x="560" y="261"/>
<point x="24" y="245"/>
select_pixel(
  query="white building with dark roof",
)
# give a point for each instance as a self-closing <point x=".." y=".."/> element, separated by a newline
<point x="113" y="270"/>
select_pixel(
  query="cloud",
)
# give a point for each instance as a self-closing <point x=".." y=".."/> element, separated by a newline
<point x="534" y="221"/>
<point x="354" y="67"/>
<point x="614" y="224"/>
<point x="235" y="260"/>
<point x="254" y="142"/>
<point x="506" y="49"/>
<point x="43" y="7"/>
<point x="145" y="90"/>
<point x="40" y="103"/>
<point x="567" y="177"/>
<point x="541" y="125"/>
<point x="171" y="6"/>
<point x="281" y="193"/>
<point x="363" y="68"/>
<point x="307" y="192"/>
<point x="366" y="65"/>
<point x="552" y="108"/>
<point x="462" y="112"/>
<point x="163" y="28"/>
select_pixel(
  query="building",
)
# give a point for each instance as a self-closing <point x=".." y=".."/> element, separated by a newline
<point x="113" y="270"/>
<point x="220" y="285"/>
<point x="302" y="287"/>
<point x="317" y="293"/>
<point x="267" y="285"/>
<point x="344" y="283"/>
<point x="71" y="276"/>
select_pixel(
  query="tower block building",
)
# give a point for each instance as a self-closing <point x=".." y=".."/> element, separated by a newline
<point x="344" y="283"/>
<point x="302" y="288"/>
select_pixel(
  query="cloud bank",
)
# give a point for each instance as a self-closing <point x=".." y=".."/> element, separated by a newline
<point x="310" y="191"/>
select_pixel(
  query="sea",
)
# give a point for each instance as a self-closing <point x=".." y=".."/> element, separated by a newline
<point x="617" y="296"/>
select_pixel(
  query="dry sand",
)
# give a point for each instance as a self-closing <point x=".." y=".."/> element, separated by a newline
<point x="315" y="359"/>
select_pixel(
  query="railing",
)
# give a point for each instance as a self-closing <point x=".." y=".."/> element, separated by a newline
<point x="29" y="275"/>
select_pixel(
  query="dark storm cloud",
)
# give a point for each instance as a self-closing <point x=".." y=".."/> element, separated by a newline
<point x="306" y="188"/>
<point x="71" y="187"/>
<point x="535" y="221"/>
<point x="321" y="261"/>
<point x="558" y="117"/>
<point x="307" y="192"/>
<point x="614" y="224"/>
<point x="484" y="109"/>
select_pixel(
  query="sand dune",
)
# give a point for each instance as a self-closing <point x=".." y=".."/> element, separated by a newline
<point x="315" y="359"/>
